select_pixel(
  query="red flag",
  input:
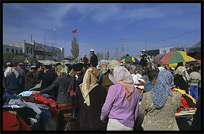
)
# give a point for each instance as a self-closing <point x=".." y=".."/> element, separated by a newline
<point x="75" y="31"/>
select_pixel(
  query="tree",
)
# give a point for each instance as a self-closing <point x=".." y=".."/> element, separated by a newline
<point x="100" y="56"/>
<point x="7" y="57"/>
<point x="107" y="55"/>
<point x="17" y="59"/>
<point x="75" y="48"/>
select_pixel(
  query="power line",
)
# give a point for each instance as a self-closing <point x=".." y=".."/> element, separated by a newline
<point x="174" y="37"/>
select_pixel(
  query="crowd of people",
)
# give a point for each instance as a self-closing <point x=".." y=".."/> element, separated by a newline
<point x="103" y="94"/>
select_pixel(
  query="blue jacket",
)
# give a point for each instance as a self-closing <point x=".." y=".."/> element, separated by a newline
<point x="12" y="82"/>
<point x="148" y="87"/>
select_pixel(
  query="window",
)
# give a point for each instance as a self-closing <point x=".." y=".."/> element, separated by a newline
<point x="31" y="50"/>
<point x="20" y="51"/>
<point x="12" y="50"/>
<point x="7" y="49"/>
<point x="16" y="51"/>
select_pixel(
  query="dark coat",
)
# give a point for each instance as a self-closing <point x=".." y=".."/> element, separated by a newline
<point x="12" y="82"/>
<point x="30" y="81"/>
<point x="79" y="80"/>
<point x="181" y="83"/>
<point x="63" y="87"/>
<point x="20" y="71"/>
<point x="47" y="80"/>
<point x="89" y="116"/>
<point x="105" y="81"/>
<point x="94" y="60"/>
<point x="39" y="75"/>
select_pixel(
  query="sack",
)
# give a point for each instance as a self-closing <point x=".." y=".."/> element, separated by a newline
<point x="71" y="124"/>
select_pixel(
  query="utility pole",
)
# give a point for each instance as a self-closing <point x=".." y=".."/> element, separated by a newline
<point x="44" y="36"/>
<point x="116" y="53"/>
<point x="31" y="38"/>
<point x="122" y="45"/>
<point x="146" y="45"/>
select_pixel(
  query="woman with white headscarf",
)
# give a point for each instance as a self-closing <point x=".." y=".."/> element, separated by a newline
<point x="107" y="79"/>
<point x="91" y="97"/>
<point x="160" y="104"/>
<point x="122" y="102"/>
<point x="180" y="79"/>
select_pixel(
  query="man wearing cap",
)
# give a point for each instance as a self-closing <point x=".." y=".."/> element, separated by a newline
<point x="30" y="81"/>
<point x="48" y="78"/>
<point x="78" y="79"/>
<point x="144" y="58"/>
<point x="94" y="59"/>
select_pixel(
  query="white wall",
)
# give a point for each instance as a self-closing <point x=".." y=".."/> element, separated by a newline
<point x="165" y="50"/>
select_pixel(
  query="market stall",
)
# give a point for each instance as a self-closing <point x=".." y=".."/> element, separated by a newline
<point x="174" y="57"/>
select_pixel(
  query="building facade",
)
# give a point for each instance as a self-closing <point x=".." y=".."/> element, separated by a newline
<point x="12" y="49"/>
<point x="35" y="50"/>
<point x="165" y="50"/>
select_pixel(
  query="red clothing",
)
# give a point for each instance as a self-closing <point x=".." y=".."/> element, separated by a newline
<point x="47" y="101"/>
<point x="12" y="122"/>
<point x="43" y="100"/>
<point x="184" y="103"/>
<point x="85" y="60"/>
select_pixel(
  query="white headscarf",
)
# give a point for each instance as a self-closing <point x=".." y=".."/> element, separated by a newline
<point x="123" y="77"/>
<point x="180" y="71"/>
<point x="9" y="70"/>
<point x="110" y="65"/>
<point x="89" y="82"/>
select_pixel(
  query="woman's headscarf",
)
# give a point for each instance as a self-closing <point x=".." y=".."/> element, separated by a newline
<point x="89" y="82"/>
<point x="123" y="77"/>
<point x="62" y="68"/>
<point x="180" y="71"/>
<point x="110" y="65"/>
<point x="162" y="88"/>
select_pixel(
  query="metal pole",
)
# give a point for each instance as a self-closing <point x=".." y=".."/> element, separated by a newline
<point x="122" y="45"/>
<point x="146" y="45"/>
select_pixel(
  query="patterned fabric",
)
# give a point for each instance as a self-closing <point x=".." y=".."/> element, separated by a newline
<point x="65" y="110"/>
<point x="162" y="119"/>
<point x="162" y="88"/>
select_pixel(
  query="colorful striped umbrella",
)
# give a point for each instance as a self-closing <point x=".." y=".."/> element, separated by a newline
<point x="174" y="57"/>
<point x="133" y="60"/>
<point x="157" y="58"/>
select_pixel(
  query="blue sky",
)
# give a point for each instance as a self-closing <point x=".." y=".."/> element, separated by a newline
<point x="100" y="26"/>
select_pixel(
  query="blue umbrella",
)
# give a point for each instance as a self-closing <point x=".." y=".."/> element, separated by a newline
<point x="135" y="60"/>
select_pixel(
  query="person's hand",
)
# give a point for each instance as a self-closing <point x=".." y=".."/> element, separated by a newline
<point x="72" y="72"/>
<point x="37" y="92"/>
